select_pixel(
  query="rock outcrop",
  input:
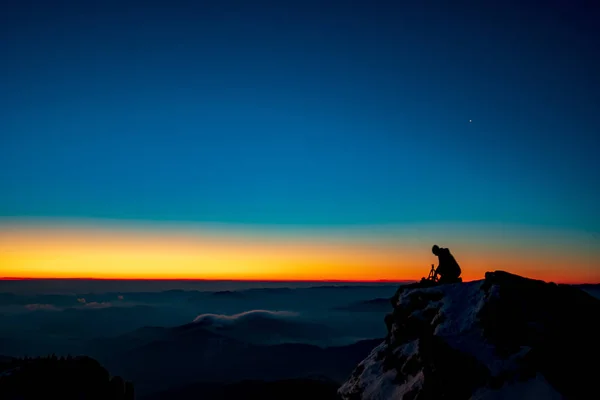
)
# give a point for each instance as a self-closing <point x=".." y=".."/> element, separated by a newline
<point x="502" y="337"/>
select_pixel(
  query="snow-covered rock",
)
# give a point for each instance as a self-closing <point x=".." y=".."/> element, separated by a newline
<point x="504" y="337"/>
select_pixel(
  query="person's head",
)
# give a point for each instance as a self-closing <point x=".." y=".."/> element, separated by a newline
<point x="435" y="249"/>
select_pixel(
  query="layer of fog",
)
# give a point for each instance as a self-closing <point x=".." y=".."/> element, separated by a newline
<point x="34" y="324"/>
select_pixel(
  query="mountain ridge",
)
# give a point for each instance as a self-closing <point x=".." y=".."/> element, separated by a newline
<point x="172" y="357"/>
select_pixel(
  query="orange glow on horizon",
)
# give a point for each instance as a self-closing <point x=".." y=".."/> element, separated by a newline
<point x="38" y="251"/>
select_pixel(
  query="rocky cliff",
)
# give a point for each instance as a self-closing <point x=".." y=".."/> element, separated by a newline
<point x="502" y="337"/>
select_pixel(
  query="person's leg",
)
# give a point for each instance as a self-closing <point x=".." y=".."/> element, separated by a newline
<point x="449" y="279"/>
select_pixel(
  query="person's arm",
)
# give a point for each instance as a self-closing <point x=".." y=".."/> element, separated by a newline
<point x="439" y="268"/>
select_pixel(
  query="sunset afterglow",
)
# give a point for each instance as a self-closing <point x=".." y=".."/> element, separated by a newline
<point x="161" y="251"/>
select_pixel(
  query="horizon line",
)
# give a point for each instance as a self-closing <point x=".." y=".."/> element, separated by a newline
<point x="255" y="280"/>
<point x="204" y="280"/>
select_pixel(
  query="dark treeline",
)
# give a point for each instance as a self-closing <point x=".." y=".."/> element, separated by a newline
<point x="60" y="377"/>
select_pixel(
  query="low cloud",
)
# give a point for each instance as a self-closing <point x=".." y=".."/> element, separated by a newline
<point x="267" y="327"/>
<point x="222" y="321"/>
<point x="47" y="307"/>
<point x="95" y="304"/>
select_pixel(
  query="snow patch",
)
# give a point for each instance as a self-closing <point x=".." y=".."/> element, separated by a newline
<point x="408" y="349"/>
<point x="413" y="383"/>
<point x="461" y="303"/>
<point x="382" y="387"/>
<point x="372" y="377"/>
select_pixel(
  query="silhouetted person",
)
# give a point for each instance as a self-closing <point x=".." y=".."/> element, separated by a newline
<point x="448" y="269"/>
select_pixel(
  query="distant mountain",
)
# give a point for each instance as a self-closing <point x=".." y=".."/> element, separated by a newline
<point x="266" y="327"/>
<point x="375" y="305"/>
<point x="191" y="353"/>
<point x="60" y="378"/>
<point x="591" y="288"/>
<point x="228" y="294"/>
<point x="499" y="338"/>
<point x="257" y="327"/>
<point x="105" y="347"/>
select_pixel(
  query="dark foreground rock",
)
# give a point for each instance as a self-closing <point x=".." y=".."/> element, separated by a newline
<point x="502" y="337"/>
<point x="289" y="389"/>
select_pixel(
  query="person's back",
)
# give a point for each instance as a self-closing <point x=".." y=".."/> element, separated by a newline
<point x="448" y="268"/>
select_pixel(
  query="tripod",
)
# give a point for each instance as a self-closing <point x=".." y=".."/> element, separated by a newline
<point x="432" y="275"/>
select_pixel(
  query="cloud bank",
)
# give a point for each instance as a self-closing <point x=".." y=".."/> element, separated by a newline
<point x="47" y="307"/>
<point x="224" y="321"/>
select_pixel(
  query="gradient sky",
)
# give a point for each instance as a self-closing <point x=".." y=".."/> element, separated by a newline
<point x="311" y="121"/>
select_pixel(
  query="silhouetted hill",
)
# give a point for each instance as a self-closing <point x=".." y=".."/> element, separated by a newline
<point x="228" y="294"/>
<point x="289" y="389"/>
<point x="265" y="327"/>
<point x="190" y="353"/>
<point x="375" y="305"/>
<point x="502" y="337"/>
<point x="591" y="288"/>
<point x="60" y="378"/>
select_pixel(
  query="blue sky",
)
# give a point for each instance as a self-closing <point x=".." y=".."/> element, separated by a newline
<point x="302" y="113"/>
